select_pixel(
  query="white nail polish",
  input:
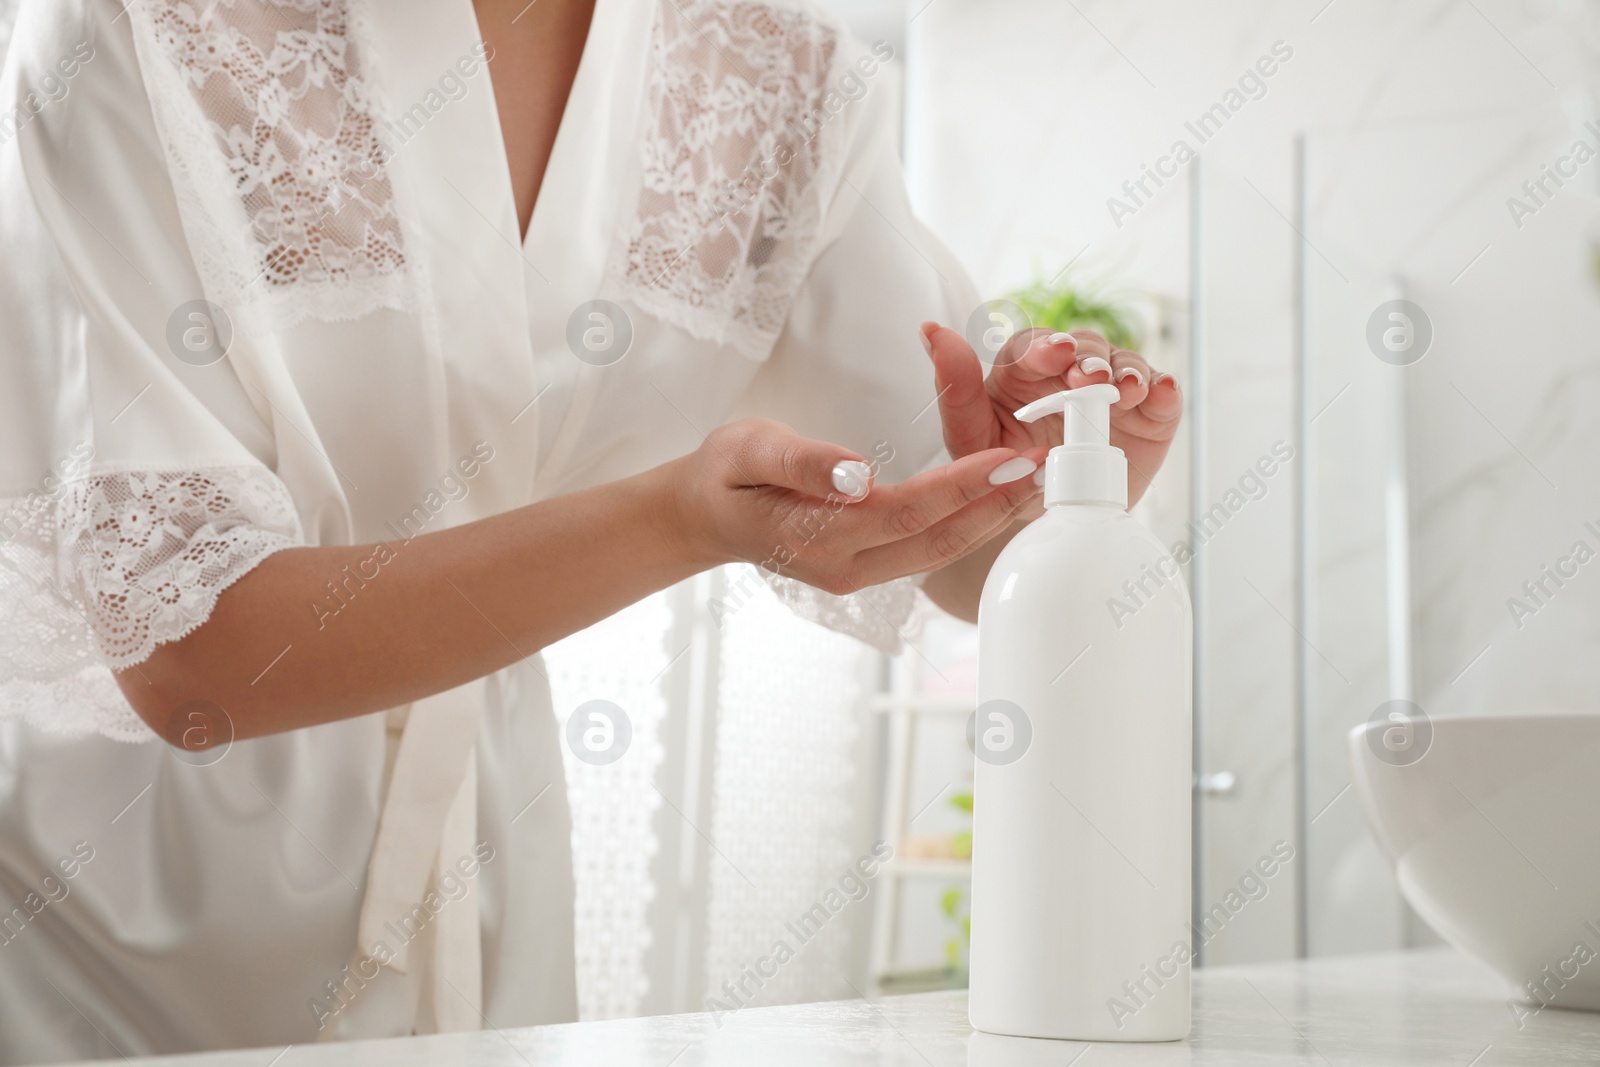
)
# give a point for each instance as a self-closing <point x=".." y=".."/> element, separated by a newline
<point x="1160" y="377"/>
<point x="1094" y="365"/>
<point x="852" y="478"/>
<point x="1131" y="372"/>
<point x="1011" y="470"/>
<point x="1038" y="477"/>
<point x="1062" y="339"/>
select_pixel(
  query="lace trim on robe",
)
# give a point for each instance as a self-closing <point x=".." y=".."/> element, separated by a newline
<point x="270" y="121"/>
<point x="95" y="576"/>
<point x="884" y="616"/>
<point x="739" y="151"/>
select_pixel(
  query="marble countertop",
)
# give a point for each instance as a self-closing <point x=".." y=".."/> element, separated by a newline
<point x="1421" y="1007"/>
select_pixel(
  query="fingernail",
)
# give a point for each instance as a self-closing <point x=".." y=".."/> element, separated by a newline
<point x="1094" y="365"/>
<point x="1011" y="470"/>
<point x="1162" y="376"/>
<point x="926" y="333"/>
<point x="1062" y="339"/>
<point x="1131" y="372"/>
<point x="1038" y="476"/>
<point x="852" y="478"/>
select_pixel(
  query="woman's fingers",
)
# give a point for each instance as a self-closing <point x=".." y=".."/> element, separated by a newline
<point x="761" y="452"/>
<point x="915" y="506"/>
<point x="1084" y="357"/>
<point x="1093" y="364"/>
<point x="948" y="539"/>
<point x="1037" y="355"/>
<point x="1131" y="374"/>
<point x="964" y="405"/>
<point x="756" y="484"/>
<point x="938" y="515"/>
<point x="1031" y="363"/>
<point x="1156" y="416"/>
<point x="1164" y="396"/>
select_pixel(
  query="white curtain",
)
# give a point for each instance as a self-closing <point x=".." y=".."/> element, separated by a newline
<point x="675" y="898"/>
<point x="613" y="806"/>
<point x="793" y="784"/>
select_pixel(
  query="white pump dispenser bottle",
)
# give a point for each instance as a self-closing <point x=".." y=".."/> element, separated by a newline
<point x="1081" y="800"/>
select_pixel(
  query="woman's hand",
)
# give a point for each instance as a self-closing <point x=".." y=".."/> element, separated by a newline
<point x="1035" y="363"/>
<point x="757" y="492"/>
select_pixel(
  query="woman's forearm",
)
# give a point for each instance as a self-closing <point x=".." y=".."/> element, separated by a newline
<point x="316" y="634"/>
<point x="312" y="635"/>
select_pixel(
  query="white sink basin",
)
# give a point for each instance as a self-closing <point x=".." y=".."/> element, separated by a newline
<point x="1495" y="835"/>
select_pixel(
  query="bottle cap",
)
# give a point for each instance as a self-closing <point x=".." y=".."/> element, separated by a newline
<point x="1086" y="468"/>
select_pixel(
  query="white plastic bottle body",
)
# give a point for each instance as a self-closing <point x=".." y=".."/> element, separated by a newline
<point x="1081" y="844"/>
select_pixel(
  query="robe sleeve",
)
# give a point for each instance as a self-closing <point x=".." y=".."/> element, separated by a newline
<point x="848" y="366"/>
<point x="135" y="473"/>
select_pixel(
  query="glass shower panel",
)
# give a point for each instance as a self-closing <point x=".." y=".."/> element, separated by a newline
<point x="1409" y="255"/>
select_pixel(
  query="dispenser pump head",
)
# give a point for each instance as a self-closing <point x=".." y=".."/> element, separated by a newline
<point x="1085" y="468"/>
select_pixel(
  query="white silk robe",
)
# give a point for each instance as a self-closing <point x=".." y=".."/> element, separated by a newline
<point x="330" y="173"/>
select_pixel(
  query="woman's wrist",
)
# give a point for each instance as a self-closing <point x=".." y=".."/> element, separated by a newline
<point x="681" y="518"/>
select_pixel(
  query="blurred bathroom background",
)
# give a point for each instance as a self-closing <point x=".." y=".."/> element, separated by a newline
<point x="1347" y="153"/>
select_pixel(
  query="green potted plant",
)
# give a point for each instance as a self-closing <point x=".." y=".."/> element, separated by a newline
<point x="1066" y="307"/>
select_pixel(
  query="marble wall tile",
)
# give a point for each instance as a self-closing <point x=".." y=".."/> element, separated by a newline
<point x="1422" y="118"/>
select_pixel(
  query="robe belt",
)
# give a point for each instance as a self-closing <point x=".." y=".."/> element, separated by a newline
<point x="428" y="824"/>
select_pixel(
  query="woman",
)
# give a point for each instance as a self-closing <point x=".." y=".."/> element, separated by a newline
<point x="357" y="352"/>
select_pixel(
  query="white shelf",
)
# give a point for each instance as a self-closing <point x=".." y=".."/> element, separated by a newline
<point x="929" y="868"/>
<point x="884" y="703"/>
<point x="904" y="708"/>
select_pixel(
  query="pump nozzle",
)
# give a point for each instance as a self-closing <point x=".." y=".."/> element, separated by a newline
<point x="1085" y="467"/>
<point x="1087" y="411"/>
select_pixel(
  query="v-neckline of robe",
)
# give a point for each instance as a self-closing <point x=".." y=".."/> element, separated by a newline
<point x="561" y="146"/>
<point x="592" y="160"/>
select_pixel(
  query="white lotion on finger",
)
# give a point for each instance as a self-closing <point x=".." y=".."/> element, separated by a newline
<point x="1011" y="470"/>
<point x="1081" y="797"/>
<point x="853" y="478"/>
